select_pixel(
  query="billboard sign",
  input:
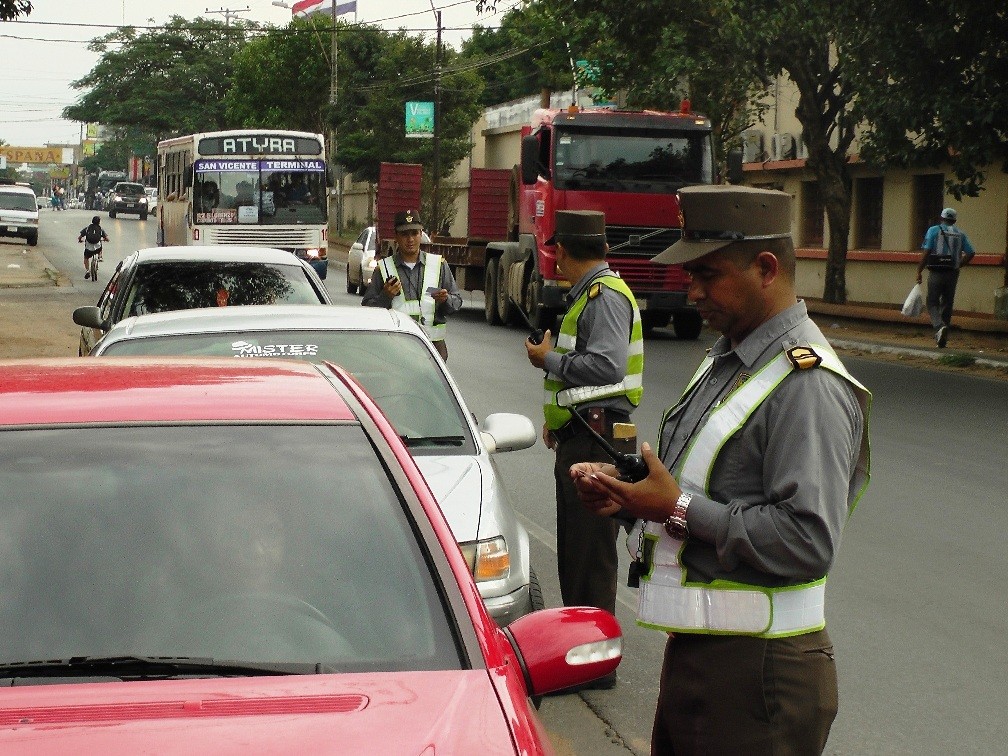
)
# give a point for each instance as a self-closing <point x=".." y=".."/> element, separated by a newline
<point x="420" y="120"/>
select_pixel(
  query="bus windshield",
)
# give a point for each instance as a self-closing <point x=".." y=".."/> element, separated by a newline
<point x="651" y="161"/>
<point x="260" y="192"/>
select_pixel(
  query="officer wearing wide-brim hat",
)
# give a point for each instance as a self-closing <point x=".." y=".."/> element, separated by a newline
<point x="759" y="466"/>
<point x="415" y="282"/>
<point x="595" y="369"/>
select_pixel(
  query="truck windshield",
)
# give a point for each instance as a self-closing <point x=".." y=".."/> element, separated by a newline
<point x="649" y="162"/>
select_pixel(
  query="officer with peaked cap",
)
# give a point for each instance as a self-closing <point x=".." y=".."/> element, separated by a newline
<point x="415" y="282"/>
<point x="595" y="369"/>
<point x="759" y="466"/>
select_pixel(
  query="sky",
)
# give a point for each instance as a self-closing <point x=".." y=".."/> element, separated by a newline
<point x="43" y="52"/>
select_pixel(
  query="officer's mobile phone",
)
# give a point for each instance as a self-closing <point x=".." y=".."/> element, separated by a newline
<point x="432" y="290"/>
<point x="536" y="335"/>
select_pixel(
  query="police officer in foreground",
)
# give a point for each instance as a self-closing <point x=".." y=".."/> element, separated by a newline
<point x="595" y="369"/>
<point x="414" y="282"/>
<point x="759" y="466"/>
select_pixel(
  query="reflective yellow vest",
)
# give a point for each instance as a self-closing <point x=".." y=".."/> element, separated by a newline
<point x="559" y="397"/>
<point x="667" y="599"/>
<point x="422" y="309"/>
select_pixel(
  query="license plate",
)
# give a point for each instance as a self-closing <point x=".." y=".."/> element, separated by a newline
<point x="12" y="229"/>
<point x="130" y="204"/>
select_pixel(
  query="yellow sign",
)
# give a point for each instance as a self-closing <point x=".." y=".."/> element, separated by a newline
<point x="60" y="173"/>
<point x="32" y="154"/>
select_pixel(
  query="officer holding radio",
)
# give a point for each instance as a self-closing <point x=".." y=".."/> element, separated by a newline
<point x="595" y="369"/>
<point x="759" y="466"/>
<point x="417" y="283"/>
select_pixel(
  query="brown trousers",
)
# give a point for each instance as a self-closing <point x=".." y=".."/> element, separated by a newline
<point x="732" y="694"/>
<point x="587" y="560"/>
<point x="442" y="349"/>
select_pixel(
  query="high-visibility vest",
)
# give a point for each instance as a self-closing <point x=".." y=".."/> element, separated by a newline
<point x="667" y="600"/>
<point x="559" y="397"/>
<point x="422" y="309"/>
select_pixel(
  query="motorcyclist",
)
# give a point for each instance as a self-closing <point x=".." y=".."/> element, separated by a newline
<point x="92" y="236"/>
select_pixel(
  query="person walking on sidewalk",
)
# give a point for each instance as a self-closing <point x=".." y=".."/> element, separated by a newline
<point x="759" y="466"/>
<point x="946" y="250"/>
<point x="92" y="236"/>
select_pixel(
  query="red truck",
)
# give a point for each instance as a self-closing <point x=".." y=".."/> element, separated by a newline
<point x="629" y="165"/>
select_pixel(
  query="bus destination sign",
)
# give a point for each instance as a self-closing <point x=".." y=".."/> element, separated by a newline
<point x="259" y="144"/>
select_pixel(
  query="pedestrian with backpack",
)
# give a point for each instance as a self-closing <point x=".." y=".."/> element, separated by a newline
<point x="946" y="250"/>
<point x="92" y="236"/>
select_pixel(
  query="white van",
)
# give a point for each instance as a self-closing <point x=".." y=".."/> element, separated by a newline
<point x="19" y="215"/>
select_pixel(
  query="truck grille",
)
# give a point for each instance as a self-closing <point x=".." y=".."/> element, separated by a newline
<point x="284" y="238"/>
<point x="633" y="262"/>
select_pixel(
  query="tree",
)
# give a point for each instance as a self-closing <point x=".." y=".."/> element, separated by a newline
<point x="935" y="88"/>
<point x="165" y="82"/>
<point x="11" y="9"/>
<point x="114" y="154"/>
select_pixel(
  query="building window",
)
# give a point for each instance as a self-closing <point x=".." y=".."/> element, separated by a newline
<point x="929" y="194"/>
<point x="868" y="201"/>
<point x="812" y="215"/>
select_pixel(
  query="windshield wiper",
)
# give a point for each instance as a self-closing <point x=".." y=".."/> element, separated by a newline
<point x="433" y="440"/>
<point x="151" y="666"/>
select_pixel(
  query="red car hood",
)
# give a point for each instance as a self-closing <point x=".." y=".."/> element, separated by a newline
<point x="400" y="713"/>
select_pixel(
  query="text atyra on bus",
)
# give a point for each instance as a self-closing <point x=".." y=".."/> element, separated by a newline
<point x="259" y="187"/>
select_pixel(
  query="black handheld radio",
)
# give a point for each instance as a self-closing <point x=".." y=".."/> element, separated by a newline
<point x="536" y="335"/>
<point x="632" y="467"/>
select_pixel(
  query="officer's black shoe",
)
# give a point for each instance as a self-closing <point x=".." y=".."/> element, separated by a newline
<point x="942" y="337"/>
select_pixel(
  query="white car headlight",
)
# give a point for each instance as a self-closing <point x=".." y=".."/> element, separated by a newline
<point x="488" y="560"/>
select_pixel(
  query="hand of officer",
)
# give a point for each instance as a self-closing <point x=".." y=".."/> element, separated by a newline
<point x="605" y="494"/>
<point x="440" y="295"/>
<point x="392" y="287"/>
<point x="537" y="352"/>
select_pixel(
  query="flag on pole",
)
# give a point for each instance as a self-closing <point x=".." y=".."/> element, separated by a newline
<point x="306" y="8"/>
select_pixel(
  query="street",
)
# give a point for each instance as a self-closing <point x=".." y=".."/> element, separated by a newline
<point x="914" y="608"/>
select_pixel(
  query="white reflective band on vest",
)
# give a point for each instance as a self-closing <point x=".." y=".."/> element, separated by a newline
<point x="575" y="395"/>
<point x="421" y="311"/>
<point x="665" y="600"/>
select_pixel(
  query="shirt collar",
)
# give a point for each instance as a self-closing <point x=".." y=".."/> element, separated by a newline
<point x="582" y="283"/>
<point x="765" y="335"/>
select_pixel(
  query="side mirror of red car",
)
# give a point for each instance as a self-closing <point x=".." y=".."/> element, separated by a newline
<point x="567" y="647"/>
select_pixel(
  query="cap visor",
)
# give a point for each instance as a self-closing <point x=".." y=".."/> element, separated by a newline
<point x="684" y="251"/>
<point x="409" y="227"/>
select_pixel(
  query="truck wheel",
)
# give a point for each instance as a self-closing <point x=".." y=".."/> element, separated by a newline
<point x="491" y="275"/>
<point x="654" y="319"/>
<point x="33" y="240"/>
<point x="505" y="307"/>
<point x="687" y="324"/>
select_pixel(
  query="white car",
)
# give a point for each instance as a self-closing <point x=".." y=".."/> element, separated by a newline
<point x="361" y="260"/>
<point x="390" y="355"/>
<point x="19" y="212"/>
<point x="152" y="198"/>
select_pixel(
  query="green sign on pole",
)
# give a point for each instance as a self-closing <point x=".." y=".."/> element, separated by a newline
<point x="420" y="120"/>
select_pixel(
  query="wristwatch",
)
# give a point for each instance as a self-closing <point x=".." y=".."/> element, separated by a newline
<point x="675" y="525"/>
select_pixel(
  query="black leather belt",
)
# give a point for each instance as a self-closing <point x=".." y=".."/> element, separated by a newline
<point x="572" y="427"/>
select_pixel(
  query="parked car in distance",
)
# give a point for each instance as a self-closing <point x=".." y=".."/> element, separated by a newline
<point x="152" y="198"/>
<point x="390" y="355"/>
<point x="41" y="201"/>
<point x="361" y="259"/>
<point x="19" y="212"/>
<point x="187" y="570"/>
<point x="160" y="279"/>
<point x="128" y="197"/>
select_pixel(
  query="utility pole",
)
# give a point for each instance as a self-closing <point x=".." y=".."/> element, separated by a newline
<point x="333" y="152"/>
<point x="436" y="220"/>
<point x="228" y="13"/>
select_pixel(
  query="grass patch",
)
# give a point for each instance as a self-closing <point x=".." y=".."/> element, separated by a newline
<point x="957" y="360"/>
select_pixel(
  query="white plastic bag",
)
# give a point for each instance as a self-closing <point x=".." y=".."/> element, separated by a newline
<point x="914" y="304"/>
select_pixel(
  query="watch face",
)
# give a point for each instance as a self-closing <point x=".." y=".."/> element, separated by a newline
<point x="676" y="527"/>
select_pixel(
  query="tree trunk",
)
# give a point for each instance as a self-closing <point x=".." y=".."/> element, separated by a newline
<point x="835" y="187"/>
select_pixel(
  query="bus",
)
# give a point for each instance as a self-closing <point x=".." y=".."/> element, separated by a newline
<point x="260" y="187"/>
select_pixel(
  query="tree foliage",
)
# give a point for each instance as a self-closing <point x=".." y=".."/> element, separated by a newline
<point x="11" y="9"/>
<point x="166" y="81"/>
<point x="114" y="154"/>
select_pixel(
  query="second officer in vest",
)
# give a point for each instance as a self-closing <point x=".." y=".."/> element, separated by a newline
<point x="595" y="369"/>
<point x="417" y="283"/>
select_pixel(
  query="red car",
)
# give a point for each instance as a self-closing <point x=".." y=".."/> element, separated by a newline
<point x="185" y="570"/>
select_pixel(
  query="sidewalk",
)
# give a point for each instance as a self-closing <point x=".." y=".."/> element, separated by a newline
<point x="853" y="326"/>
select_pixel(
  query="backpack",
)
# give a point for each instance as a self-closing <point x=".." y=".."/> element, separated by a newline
<point x="947" y="250"/>
<point x="93" y="234"/>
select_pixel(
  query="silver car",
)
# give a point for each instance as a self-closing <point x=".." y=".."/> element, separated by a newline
<point x="361" y="259"/>
<point x="400" y="368"/>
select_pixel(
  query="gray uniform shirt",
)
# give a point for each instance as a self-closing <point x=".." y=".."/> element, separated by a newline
<point x="781" y="487"/>
<point x="599" y="357"/>
<point x="412" y="280"/>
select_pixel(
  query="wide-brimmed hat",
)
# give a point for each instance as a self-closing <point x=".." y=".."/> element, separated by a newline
<point x="578" y="224"/>
<point x="408" y="220"/>
<point x="712" y="217"/>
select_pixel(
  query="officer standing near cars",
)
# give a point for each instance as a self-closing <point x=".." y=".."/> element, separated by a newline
<point x="760" y="465"/>
<point x="596" y="369"/>
<point x="417" y="283"/>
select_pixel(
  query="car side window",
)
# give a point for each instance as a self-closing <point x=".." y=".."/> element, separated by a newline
<point x="108" y="296"/>
<point x="362" y="239"/>
<point x="370" y="239"/>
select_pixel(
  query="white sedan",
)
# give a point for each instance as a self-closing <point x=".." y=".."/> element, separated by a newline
<point x="390" y="355"/>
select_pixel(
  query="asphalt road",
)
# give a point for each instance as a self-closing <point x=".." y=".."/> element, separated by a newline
<point x="914" y="604"/>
